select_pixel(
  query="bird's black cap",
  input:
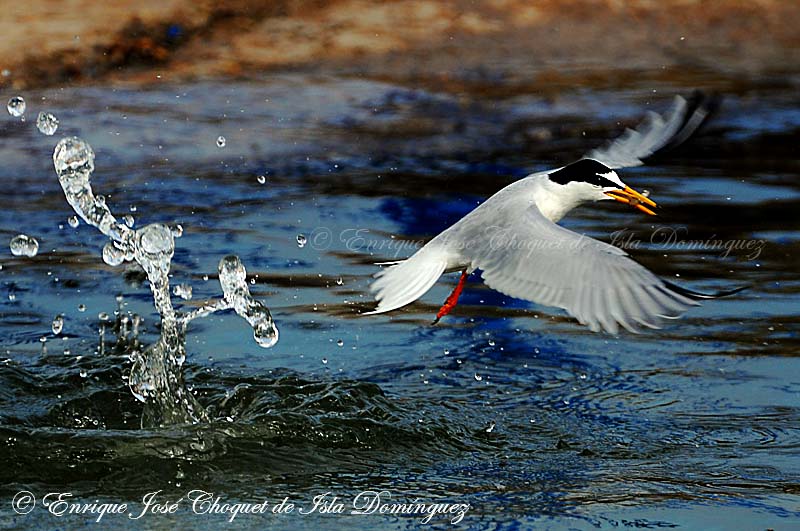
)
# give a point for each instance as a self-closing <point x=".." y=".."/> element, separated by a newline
<point x="585" y="170"/>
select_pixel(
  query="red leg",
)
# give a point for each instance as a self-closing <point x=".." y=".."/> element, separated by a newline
<point x="452" y="299"/>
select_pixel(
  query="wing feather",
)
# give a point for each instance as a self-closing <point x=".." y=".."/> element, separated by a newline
<point x="595" y="282"/>
<point x="657" y="133"/>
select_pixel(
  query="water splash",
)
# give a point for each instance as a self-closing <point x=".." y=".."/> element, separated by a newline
<point x="156" y="377"/>
<point x="184" y="291"/>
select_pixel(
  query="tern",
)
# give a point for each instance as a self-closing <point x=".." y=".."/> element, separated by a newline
<point x="514" y="240"/>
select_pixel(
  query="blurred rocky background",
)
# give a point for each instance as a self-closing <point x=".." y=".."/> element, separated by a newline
<point x="449" y="43"/>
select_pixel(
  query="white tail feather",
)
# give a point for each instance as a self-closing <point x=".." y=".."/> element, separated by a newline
<point x="406" y="281"/>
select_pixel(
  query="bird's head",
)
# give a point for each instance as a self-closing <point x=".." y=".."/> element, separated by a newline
<point x="590" y="180"/>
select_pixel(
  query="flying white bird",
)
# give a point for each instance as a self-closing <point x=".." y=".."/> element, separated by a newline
<point x="513" y="239"/>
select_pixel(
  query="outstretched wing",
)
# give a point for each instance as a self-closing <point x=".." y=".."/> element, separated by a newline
<point x="657" y="133"/>
<point x="530" y="257"/>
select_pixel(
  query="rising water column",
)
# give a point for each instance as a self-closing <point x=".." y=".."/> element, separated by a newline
<point x="157" y="377"/>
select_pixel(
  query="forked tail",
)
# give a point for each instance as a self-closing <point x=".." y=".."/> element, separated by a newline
<point x="406" y="281"/>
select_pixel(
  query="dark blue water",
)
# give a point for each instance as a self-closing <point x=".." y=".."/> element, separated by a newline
<point x="509" y="407"/>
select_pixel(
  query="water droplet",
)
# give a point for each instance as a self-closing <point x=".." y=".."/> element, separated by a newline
<point x="46" y="123"/>
<point x="84" y="373"/>
<point x="340" y="343"/>
<point x="73" y="156"/>
<point x="112" y="255"/>
<point x="156" y="239"/>
<point x="446" y="351"/>
<point x="103" y="316"/>
<point x="58" y="324"/>
<point x="16" y="106"/>
<point x="81" y="307"/>
<point x="184" y="291"/>
<point x="128" y="219"/>
<point x="73" y="221"/>
<point x="24" y="245"/>
<point x="261" y="179"/>
<point x="491" y="342"/>
<point x="324" y="361"/>
<point x="478" y="377"/>
<point x="339" y="281"/>
<point x="221" y="141"/>
<point x="264" y="331"/>
<point x="301" y="240"/>
<point x="491" y="426"/>
<point x="177" y="231"/>
<point x="136" y="322"/>
<point x="12" y="296"/>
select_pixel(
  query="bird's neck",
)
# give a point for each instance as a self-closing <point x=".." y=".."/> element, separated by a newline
<point x="555" y="201"/>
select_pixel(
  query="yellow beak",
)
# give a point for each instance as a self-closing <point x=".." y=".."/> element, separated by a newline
<point x="629" y="196"/>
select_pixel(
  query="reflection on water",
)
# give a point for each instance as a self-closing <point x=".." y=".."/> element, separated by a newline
<point x="510" y="407"/>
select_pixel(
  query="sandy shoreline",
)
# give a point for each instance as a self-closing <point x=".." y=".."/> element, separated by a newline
<point x="49" y="43"/>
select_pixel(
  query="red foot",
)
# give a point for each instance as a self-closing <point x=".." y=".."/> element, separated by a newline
<point x="452" y="299"/>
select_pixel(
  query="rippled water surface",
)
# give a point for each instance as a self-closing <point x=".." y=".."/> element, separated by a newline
<point x="507" y="406"/>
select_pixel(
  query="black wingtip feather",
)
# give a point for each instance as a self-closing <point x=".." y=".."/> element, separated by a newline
<point x="696" y="295"/>
<point x="700" y="108"/>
